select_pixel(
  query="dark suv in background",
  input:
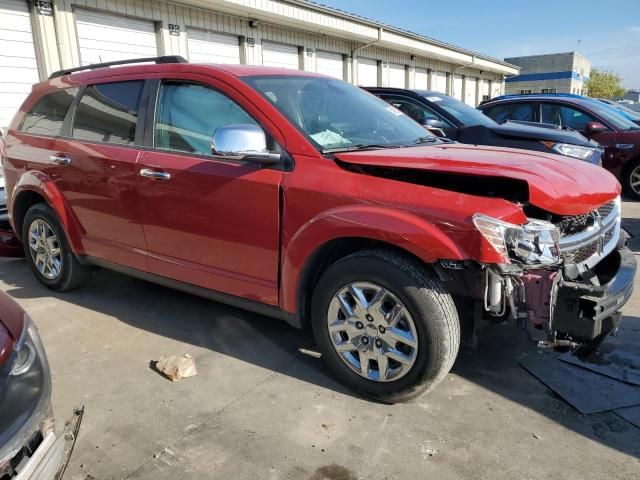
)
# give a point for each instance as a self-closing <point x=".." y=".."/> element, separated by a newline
<point x="595" y="120"/>
<point x="445" y="116"/>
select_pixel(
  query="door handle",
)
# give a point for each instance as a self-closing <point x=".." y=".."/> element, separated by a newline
<point x="147" y="172"/>
<point x="60" y="159"/>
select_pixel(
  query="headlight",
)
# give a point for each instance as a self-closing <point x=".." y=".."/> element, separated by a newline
<point x="535" y="243"/>
<point x="569" y="150"/>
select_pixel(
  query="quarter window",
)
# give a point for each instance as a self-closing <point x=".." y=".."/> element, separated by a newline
<point x="187" y="116"/>
<point x="108" y="112"/>
<point x="47" y="115"/>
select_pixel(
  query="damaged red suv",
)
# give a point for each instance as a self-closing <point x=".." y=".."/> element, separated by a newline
<point x="305" y="198"/>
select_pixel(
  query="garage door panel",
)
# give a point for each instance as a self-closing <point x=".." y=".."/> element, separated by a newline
<point x="422" y="79"/>
<point x="330" y="64"/>
<point x="18" y="64"/>
<point x="367" y="72"/>
<point x="440" y="82"/>
<point x="212" y="47"/>
<point x="104" y="37"/>
<point x="396" y="76"/>
<point x="280" y="55"/>
<point x="470" y="92"/>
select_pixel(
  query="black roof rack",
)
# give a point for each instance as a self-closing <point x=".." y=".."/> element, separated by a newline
<point x="162" y="59"/>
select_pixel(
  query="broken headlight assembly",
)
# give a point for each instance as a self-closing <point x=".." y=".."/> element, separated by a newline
<point x="535" y="243"/>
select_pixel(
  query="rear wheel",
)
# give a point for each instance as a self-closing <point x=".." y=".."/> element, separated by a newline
<point x="384" y="325"/>
<point x="631" y="180"/>
<point x="48" y="252"/>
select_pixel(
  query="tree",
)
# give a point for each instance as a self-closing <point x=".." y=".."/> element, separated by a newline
<point x="603" y="84"/>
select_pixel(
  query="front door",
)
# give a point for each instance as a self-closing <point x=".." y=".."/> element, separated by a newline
<point x="208" y="221"/>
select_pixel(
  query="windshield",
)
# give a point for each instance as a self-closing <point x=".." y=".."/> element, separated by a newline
<point x="336" y="115"/>
<point x="462" y="112"/>
<point x="613" y="116"/>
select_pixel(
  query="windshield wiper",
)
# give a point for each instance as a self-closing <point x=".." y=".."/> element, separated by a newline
<point x="426" y="139"/>
<point x="359" y="146"/>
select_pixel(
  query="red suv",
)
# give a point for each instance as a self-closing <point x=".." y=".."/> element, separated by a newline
<point x="306" y="198"/>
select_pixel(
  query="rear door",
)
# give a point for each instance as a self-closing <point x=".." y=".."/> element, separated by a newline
<point x="96" y="171"/>
<point x="208" y="221"/>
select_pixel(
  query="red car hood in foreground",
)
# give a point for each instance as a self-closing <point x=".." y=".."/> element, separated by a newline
<point x="557" y="184"/>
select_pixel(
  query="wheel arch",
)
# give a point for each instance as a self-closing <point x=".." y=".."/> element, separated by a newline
<point x="341" y="232"/>
<point x="35" y="187"/>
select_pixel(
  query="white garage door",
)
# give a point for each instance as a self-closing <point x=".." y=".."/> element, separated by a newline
<point x="470" y="92"/>
<point x="330" y="64"/>
<point x="279" y="55"/>
<point x="211" y="47"/>
<point x="396" y="76"/>
<point x="439" y="82"/>
<point x="106" y="38"/>
<point x="422" y="79"/>
<point x="457" y="86"/>
<point x="367" y="72"/>
<point x="484" y="91"/>
<point x="18" y="65"/>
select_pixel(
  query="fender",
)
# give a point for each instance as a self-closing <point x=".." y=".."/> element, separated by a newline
<point x="38" y="182"/>
<point x="399" y="228"/>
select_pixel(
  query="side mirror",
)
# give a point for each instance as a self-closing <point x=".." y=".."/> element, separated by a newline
<point x="595" y="127"/>
<point x="243" y="142"/>
<point x="434" y="126"/>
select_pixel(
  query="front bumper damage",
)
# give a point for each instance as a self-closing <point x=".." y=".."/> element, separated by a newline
<point x="579" y="309"/>
<point x="49" y="460"/>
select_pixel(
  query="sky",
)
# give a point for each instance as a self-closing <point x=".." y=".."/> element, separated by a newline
<point x="606" y="32"/>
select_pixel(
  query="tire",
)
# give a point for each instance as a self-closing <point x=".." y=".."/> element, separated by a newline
<point x="631" y="175"/>
<point x="69" y="272"/>
<point x="431" y="311"/>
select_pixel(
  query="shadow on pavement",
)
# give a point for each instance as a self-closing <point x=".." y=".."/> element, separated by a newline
<point x="272" y="344"/>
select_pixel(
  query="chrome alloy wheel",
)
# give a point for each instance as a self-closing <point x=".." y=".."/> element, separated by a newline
<point x="634" y="180"/>
<point x="372" y="331"/>
<point x="45" y="249"/>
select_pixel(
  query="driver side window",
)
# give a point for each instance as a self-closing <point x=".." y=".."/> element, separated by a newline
<point x="187" y="116"/>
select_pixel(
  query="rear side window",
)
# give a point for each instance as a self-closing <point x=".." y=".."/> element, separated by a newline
<point x="108" y="112"/>
<point x="47" y="114"/>
<point x="511" y="111"/>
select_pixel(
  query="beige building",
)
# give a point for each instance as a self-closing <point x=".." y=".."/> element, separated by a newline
<point x="37" y="38"/>
<point x="553" y="73"/>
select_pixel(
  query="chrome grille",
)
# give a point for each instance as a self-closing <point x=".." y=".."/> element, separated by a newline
<point x="606" y="209"/>
<point x="585" y="239"/>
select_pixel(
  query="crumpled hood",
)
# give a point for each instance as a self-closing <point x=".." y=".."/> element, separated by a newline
<point x="558" y="184"/>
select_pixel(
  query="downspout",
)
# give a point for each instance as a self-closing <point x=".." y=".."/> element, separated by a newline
<point x="355" y="51"/>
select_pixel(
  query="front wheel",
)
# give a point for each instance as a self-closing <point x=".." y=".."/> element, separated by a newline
<point x="631" y="180"/>
<point x="384" y="325"/>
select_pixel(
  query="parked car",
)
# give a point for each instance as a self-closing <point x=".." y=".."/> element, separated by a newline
<point x="308" y="199"/>
<point x="29" y="446"/>
<point x="447" y="116"/>
<point x="619" y="136"/>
